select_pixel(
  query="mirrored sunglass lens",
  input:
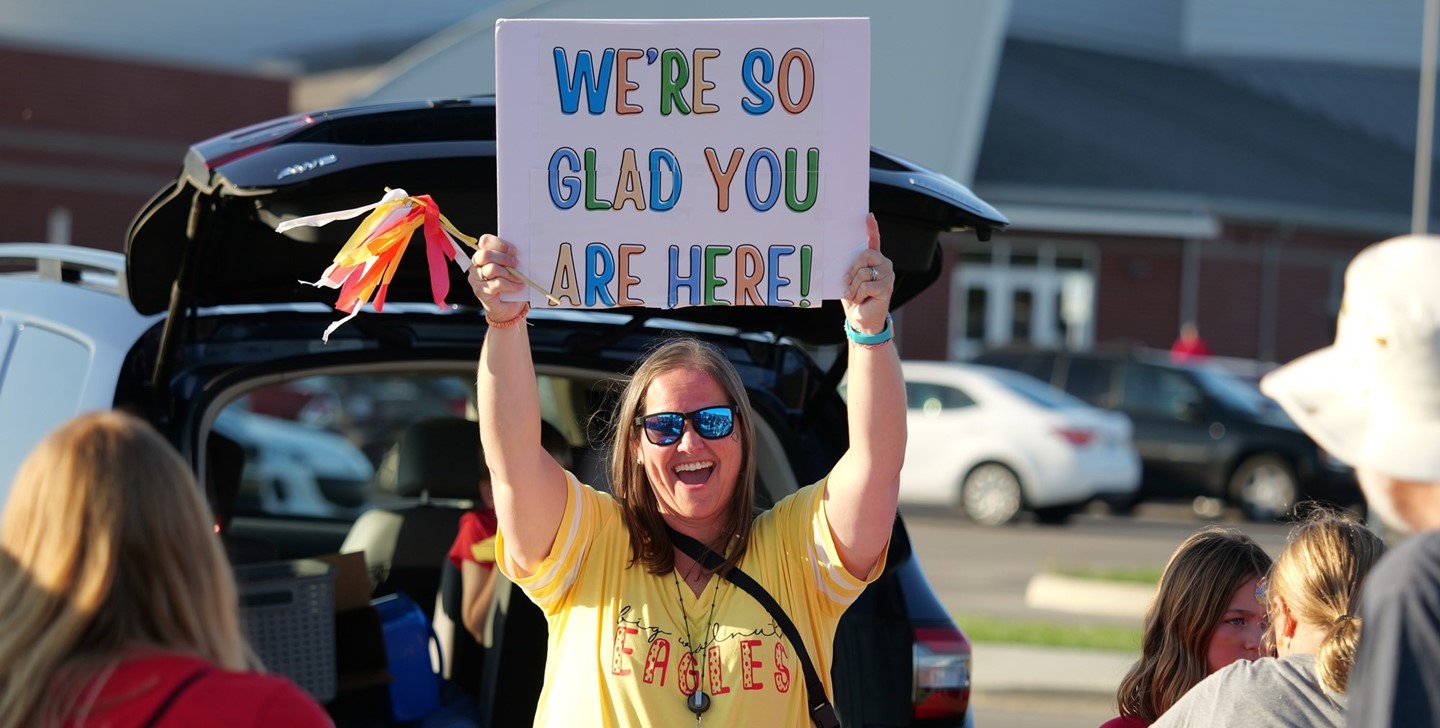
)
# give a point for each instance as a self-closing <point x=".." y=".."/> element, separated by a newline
<point x="714" y="422"/>
<point x="664" y="429"/>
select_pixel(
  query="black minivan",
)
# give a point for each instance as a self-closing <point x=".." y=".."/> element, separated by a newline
<point x="294" y="439"/>
<point x="1204" y="434"/>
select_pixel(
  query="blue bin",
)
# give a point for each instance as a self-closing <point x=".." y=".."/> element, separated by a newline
<point x="414" y="686"/>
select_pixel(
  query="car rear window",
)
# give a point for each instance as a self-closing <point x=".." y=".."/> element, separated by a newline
<point x="1036" y="391"/>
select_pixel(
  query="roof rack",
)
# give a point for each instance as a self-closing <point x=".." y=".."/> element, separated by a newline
<point x="69" y="264"/>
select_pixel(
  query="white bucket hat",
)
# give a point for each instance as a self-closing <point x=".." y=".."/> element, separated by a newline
<point x="1372" y="399"/>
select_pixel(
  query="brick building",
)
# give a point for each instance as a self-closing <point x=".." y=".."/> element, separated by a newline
<point x="85" y="141"/>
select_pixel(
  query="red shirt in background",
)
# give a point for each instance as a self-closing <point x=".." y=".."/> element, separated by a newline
<point x="477" y="526"/>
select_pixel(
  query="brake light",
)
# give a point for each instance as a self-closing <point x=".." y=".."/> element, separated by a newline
<point x="942" y="673"/>
<point x="1076" y="436"/>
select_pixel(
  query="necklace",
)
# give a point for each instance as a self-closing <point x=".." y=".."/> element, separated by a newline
<point x="699" y="701"/>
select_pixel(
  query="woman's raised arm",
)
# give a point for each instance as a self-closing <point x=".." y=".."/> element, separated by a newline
<point x="864" y="487"/>
<point x="529" y="487"/>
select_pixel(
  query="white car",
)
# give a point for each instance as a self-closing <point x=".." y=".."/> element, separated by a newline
<point x="996" y="442"/>
<point x="294" y="469"/>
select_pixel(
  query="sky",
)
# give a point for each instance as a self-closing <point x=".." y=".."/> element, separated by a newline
<point x="281" y="35"/>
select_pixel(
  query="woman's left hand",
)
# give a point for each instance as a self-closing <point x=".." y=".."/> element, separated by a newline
<point x="869" y="285"/>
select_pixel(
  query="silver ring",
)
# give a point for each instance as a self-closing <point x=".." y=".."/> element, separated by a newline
<point x="874" y="274"/>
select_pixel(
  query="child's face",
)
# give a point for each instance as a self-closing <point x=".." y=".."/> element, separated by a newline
<point x="1238" y="635"/>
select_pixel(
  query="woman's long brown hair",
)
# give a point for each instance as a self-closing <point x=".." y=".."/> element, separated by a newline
<point x="650" y="542"/>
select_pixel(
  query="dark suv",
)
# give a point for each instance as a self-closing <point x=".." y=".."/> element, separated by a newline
<point x="1204" y="434"/>
<point x="219" y="347"/>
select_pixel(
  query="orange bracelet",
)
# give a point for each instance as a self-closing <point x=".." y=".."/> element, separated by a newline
<point x="512" y="321"/>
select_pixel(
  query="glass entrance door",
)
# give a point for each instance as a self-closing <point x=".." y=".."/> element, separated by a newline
<point x="1041" y="299"/>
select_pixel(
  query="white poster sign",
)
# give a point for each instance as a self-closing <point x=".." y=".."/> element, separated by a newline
<point x="669" y="163"/>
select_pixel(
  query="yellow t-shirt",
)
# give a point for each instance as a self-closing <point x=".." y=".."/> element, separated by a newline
<point x="620" y="650"/>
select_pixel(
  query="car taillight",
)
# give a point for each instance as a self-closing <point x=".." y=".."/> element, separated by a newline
<point x="942" y="673"/>
<point x="1076" y="437"/>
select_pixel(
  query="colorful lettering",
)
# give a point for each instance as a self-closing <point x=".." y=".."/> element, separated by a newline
<point x="748" y="664"/>
<point x="623" y="84"/>
<point x="775" y="281"/>
<point x="583" y="78"/>
<point x="698" y="89"/>
<point x="722" y="175"/>
<point x="812" y="179"/>
<point x="657" y="658"/>
<point x="667" y="158"/>
<point x="782" y="672"/>
<point x="628" y="186"/>
<point x="689" y="680"/>
<point x="763" y="100"/>
<point x="717" y="671"/>
<point x="678" y="281"/>
<point x="807" y="80"/>
<point x="751" y="170"/>
<point x="569" y="182"/>
<point x="749" y="272"/>
<point x="713" y="282"/>
<point x="599" y="271"/>
<point x="674" y="74"/>
<point x="564" y="285"/>
<point x="622" y="274"/>
<point x="618" y="663"/>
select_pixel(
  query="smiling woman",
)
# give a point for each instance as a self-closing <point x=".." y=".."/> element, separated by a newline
<point x="627" y="642"/>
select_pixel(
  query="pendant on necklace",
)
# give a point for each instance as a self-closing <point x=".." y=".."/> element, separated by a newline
<point x="698" y="702"/>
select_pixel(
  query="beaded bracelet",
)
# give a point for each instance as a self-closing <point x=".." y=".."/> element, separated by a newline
<point x="870" y="341"/>
<point x="512" y="321"/>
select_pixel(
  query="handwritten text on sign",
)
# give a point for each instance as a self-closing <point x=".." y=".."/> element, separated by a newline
<point x="680" y="163"/>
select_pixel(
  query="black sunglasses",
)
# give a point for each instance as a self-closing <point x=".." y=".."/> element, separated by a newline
<point x="665" y="428"/>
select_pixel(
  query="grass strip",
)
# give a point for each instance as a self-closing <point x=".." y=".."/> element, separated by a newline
<point x="1147" y="575"/>
<point x="981" y="628"/>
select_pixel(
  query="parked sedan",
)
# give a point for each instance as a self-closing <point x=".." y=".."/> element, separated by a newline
<point x="996" y="442"/>
<point x="1205" y="435"/>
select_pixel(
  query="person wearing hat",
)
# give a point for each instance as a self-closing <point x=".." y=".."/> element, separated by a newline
<point x="1372" y="399"/>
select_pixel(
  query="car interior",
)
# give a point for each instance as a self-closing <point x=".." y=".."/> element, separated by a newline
<point x="417" y="425"/>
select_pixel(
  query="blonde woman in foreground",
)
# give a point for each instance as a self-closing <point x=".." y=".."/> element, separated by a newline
<point x="1313" y="596"/>
<point x="117" y="606"/>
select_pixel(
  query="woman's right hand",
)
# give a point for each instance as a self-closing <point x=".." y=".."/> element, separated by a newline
<point x="490" y="277"/>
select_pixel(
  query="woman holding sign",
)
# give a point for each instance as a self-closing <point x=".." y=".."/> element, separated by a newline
<point x="641" y="632"/>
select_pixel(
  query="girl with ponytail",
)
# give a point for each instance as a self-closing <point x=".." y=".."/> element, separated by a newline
<point x="1313" y="597"/>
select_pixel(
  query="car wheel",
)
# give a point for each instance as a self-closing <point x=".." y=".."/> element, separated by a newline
<point x="1265" y="487"/>
<point x="990" y="494"/>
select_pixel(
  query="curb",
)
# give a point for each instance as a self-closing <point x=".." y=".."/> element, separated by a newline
<point x="1003" y="668"/>
<point x="1088" y="596"/>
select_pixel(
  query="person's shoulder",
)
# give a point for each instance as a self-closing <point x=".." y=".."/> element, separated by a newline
<point x="1408" y="570"/>
<point x="1124" y="721"/>
<point x="273" y="700"/>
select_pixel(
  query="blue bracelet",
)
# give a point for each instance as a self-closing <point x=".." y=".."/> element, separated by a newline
<point x="885" y="334"/>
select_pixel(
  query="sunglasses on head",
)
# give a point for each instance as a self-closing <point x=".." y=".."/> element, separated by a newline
<point x="665" y="428"/>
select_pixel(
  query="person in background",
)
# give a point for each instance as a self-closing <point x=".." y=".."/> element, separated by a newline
<point x="117" y="606"/>
<point x="1189" y="346"/>
<point x="1205" y="615"/>
<point x="1372" y="399"/>
<point x="1313" y="596"/>
<point x="473" y="552"/>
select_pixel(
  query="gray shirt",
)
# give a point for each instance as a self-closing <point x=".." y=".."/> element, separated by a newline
<point x="1395" y="681"/>
<point x="1267" y="693"/>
